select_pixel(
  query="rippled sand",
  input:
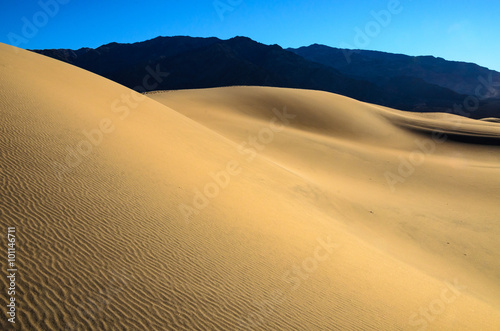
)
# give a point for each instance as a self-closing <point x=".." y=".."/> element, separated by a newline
<point x="245" y="208"/>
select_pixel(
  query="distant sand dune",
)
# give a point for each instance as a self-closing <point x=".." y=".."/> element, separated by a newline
<point x="244" y="208"/>
<point x="491" y="119"/>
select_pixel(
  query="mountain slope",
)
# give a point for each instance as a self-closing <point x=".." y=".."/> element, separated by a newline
<point x="211" y="62"/>
<point x="460" y="77"/>
<point x="428" y="77"/>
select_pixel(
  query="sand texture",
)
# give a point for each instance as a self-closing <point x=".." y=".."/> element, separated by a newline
<point x="241" y="208"/>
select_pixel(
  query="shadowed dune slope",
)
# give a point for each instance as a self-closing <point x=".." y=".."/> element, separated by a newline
<point x="239" y="208"/>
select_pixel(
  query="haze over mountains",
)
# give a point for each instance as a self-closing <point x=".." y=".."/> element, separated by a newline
<point x="423" y="83"/>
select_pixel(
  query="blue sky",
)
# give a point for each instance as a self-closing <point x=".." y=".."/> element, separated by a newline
<point x="455" y="30"/>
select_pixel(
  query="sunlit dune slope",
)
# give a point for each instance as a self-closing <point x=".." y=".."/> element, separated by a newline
<point x="422" y="188"/>
<point x="238" y="208"/>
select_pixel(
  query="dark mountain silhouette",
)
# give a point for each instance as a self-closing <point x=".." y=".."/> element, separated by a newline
<point x="211" y="62"/>
<point x="374" y="66"/>
<point x="380" y="68"/>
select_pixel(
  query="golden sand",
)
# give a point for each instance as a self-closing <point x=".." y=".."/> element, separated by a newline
<point x="247" y="208"/>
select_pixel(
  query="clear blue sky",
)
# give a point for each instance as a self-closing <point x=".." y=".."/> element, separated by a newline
<point x="452" y="29"/>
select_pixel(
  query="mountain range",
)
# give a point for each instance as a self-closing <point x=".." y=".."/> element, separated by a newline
<point x="411" y="83"/>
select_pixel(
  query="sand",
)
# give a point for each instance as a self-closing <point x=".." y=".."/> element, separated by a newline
<point x="241" y="208"/>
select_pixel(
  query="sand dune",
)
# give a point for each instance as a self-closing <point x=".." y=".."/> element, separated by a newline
<point x="241" y="208"/>
<point x="491" y="119"/>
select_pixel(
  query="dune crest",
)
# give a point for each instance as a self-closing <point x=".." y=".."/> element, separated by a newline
<point x="239" y="208"/>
